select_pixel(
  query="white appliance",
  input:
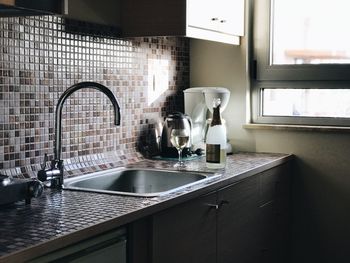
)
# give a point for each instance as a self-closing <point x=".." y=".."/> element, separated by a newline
<point x="197" y="102"/>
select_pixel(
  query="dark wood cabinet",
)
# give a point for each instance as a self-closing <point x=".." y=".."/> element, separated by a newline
<point x="33" y="7"/>
<point x="186" y="233"/>
<point x="274" y="214"/>
<point x="245" y="222"/>
<point x="103" y="12"/>
<point x="237" y="222"/>
<point x="107" y="247"/>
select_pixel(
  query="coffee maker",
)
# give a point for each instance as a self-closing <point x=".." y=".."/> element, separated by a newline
<point x="199" y="106"/>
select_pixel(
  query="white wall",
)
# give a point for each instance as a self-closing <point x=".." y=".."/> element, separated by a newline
<point x="321" y="182"/>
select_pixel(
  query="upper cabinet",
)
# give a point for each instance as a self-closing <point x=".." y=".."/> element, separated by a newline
<point x="103" y="12"/>
<point x="33" y="7"/>
<point x="224" y="16"/>
<point x="219" y="20"/>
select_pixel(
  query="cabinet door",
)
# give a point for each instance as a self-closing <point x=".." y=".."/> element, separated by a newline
<point x="203" y="14"/>
<point x="282" y="212"/>
<point x="267" y="233"/>
<point x="274" y="214"/>
<point x="231" y="17"/>
<point x="105" y="12"/>
<point x="108" y="247"/>
<point x="186" y="233"/>
<point x="238" y="222"/>
<point x="225" y="16"/>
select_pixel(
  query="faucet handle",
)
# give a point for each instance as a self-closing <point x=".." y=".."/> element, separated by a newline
<point x="43" y="165"/>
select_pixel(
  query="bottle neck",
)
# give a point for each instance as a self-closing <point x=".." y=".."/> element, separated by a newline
<point x="216" y="116"/>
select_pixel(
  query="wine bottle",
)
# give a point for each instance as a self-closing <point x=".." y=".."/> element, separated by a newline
<point x="216" y="140"/>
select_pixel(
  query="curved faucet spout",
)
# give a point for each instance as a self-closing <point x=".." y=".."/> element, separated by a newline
<point x="62" y="99"/>
<point x="54" y="174"/>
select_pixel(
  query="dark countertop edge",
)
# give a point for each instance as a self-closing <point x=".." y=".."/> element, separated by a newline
<point x="48" y="246"/>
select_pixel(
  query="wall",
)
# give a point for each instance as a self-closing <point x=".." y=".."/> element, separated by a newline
<point x="321" y="182"/>
<point x="40" y="57"/>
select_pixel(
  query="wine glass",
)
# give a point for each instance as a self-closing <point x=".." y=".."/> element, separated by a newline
<point x="179" y="139"/>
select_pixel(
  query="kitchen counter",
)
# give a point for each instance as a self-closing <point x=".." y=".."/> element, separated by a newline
<point x="61" y="217"/>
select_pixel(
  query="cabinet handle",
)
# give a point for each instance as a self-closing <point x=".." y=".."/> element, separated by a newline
<point x="215" y="19"/>
<point x="215" y="206"/>
<point x="223" y="202"/>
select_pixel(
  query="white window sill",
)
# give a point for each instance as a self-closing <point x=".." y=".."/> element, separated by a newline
<point x="284" y="127"/>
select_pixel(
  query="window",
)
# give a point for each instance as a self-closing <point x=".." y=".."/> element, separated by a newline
<point x="306" y="102"/>
<point x="301" y="54"/>
<point x="309" y="32"/>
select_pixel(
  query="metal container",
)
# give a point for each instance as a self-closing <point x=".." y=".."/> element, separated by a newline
<point x="14" y="189"/>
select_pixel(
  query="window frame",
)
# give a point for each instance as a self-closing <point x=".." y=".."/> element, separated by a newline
<point x="305" y="76"/>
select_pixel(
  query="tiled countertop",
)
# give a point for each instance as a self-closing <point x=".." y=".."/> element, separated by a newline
<point x="62" y="217"/>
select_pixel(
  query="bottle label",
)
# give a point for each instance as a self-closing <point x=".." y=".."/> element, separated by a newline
<point x="213" y="153"/>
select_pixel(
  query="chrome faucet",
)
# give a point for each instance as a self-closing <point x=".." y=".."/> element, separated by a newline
<point x="54" y="174"/>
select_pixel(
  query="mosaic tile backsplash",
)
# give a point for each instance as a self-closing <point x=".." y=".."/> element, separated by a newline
<point x="40" y="58"/>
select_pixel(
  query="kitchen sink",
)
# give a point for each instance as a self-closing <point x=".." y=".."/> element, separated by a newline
<point x="138" y="181"/>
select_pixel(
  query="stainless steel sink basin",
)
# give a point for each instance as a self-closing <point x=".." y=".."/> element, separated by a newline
<point x="137" y="182"/>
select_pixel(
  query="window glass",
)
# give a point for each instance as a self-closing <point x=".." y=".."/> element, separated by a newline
<point x="306" y="102"/>
<point x="310" y="32"/>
